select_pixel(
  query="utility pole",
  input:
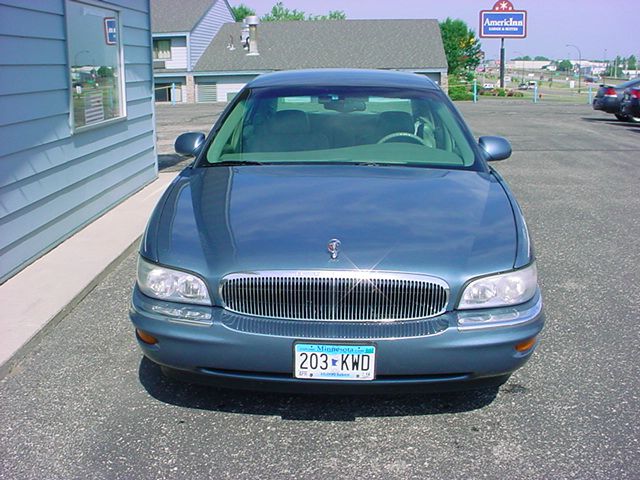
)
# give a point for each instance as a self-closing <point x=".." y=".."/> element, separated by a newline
<point x="579" y="62"/>
<point x="522" y="60"/>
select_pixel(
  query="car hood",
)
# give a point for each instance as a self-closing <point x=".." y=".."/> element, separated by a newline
<point x="452" y="224"/>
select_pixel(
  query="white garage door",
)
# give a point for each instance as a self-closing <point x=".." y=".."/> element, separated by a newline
<point x="207" y="93"/>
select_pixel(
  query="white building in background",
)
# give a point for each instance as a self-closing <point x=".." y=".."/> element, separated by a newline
<point x="528" y="64"/>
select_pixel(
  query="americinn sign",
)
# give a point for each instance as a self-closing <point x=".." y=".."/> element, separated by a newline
<point x="503" y="21"/>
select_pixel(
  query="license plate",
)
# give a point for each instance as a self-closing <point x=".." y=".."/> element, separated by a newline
<point x="317" y="361"/>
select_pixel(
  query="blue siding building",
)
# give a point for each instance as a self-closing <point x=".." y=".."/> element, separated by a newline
<point x="76" y="118"/>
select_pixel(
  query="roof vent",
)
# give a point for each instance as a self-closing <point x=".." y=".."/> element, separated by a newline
<point x="244" y="36"/>
<point x="253" y="22"/>
<point x="230" y="45"/>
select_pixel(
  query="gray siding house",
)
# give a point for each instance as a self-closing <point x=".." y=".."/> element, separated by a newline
<point x="406" y="45"/>
<point x="76" y="118"/>
<point x="182" y="31"/>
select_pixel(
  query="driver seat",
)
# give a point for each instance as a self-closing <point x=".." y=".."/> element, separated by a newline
<point x="393" y="122"/>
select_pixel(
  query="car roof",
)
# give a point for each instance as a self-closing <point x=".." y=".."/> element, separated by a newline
<point x="629" y="83"/>
<point x="334" y="77"/>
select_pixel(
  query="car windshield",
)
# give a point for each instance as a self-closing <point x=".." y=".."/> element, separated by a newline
<point x="342" y="125"/>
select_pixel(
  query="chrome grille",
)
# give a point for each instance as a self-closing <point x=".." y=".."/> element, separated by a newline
<point x="334" y="295"/>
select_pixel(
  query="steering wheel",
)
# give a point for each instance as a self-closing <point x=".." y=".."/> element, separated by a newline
<point x="408" y="135"/>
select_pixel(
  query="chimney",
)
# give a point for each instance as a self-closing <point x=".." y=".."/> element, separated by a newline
<point x="244" y="35"/>
<point x="253" y="22"/>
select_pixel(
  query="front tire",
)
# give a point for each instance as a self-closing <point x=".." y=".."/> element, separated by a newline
<point x="621" y="117"/>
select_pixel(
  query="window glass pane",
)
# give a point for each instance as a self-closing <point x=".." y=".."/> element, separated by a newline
<point x="162" y="49"/>
<point x="350" y="124"/>
<point x="94" y="56"/>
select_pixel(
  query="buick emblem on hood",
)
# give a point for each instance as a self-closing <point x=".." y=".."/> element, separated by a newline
<point x="333" y="247"/>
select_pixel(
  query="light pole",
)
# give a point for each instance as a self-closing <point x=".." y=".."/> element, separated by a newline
<point x="579" y="62"/>
<point x="522" y="59"/>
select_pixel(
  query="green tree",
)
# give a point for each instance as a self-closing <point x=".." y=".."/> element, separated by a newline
<point x="617" y="66"/>
<point x="461" y="46"/>
<point x="280" y="13"/>
<point x="540" y="58"/>
<point x="332" y="15"/>
<point x="241" y="12"/>
<point x="105" y="72"/>
<point x="565" y="66"/>
<point x="526" y="58"/>
<point x="632" y="62"/>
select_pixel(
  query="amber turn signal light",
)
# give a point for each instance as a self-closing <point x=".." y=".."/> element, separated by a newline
<point x="526" y="345"/>
<point x="146" y="338"/>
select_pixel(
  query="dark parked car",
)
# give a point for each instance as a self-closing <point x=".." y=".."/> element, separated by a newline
<point x="609" y="98"/>
<point x="339" y="230"/>
<point x="631" y="104"/>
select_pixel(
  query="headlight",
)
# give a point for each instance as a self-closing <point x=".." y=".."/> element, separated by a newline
<point x="171" y="285"/>
<point x="511" y="288"/>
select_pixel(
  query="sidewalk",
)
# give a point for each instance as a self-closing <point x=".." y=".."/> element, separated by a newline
<point x="42" y="293"/>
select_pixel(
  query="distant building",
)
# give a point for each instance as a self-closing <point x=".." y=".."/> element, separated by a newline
<point x="226" y="65"/>
<point x="182" y="31"/>
<point x="76" y="118"/>
<point x="529" y="64"/>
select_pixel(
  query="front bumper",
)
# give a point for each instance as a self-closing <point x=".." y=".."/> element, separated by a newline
<point x="238" y="351"/>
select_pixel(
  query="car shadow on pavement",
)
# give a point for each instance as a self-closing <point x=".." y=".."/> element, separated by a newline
<point x="612" y="121"/>
<point x="172" y="162"/>
<point x="598" y="119"/>
<point x="307" y="407"/>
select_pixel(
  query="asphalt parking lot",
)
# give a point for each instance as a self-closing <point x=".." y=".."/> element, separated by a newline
<point x="84" y="404"/>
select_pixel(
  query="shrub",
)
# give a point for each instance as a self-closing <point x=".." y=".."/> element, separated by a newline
<point x="459" y="92"/>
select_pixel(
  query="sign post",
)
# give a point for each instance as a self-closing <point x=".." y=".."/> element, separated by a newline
<point x="502" y="60"/>
<point x="503" y="21"/>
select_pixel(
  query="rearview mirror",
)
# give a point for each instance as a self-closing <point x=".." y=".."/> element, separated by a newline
<point x="189" y="144"/>
<point x="496" y="148"/>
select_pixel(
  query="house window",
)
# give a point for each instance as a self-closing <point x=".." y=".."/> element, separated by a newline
<point x="96" y="68"/>
<point x="162" y="49"/>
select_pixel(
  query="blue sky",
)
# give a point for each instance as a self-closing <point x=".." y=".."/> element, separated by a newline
<point x="592" y="25"/>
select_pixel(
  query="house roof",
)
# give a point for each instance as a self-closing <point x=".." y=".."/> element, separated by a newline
<point x="380" y="44"/>
<point x="168" y="16"/>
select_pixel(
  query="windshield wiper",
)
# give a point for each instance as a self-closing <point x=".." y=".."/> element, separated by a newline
<point x="234" y="163"/>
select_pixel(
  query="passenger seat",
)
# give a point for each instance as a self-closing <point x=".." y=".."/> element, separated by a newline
<point x="288" y="131"/>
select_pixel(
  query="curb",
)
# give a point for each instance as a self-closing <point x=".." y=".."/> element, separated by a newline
<point x="11" y="366"/>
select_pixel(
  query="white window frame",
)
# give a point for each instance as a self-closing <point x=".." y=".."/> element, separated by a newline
<point x="122" y="82"/>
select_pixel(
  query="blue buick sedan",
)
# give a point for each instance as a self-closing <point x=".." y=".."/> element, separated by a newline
<point x="339" y="231"/>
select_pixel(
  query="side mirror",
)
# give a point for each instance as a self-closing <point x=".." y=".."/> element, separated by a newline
<point x="496" y="148"/>
<point x="189" y="144"/>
